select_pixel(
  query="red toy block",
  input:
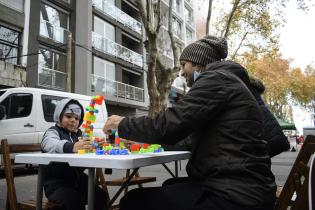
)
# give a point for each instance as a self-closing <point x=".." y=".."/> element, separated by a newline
<point x="145" y="146"/>
<point x="135" y="147"/>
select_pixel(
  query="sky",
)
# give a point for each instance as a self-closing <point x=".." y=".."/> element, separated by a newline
<point x="297" y="41"/>
<point x="297" y="37"/>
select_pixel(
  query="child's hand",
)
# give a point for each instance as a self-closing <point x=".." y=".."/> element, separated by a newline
<point x="82" y="145"/>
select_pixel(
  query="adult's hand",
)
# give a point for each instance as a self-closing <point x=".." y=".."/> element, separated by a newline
<point x="112" y="123"/>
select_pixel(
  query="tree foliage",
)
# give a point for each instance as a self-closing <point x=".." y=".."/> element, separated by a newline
<point x="303" y="88"/>
<point x="249" y="24"/>
<point x="283" y="84"/>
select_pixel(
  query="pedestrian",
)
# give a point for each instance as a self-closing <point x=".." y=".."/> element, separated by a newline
<point x="65" y="185"/>
<point x="229" y="167"/>
<point x="276" y="140"/>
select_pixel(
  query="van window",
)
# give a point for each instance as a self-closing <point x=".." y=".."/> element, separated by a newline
<point x="18" y="105"/>
<point x="49" y="105"/>
<point x="1" y="92"/>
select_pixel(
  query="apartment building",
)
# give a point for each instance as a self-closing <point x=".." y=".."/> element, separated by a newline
<point x="107" y="46"/>
<point x="12" y="21"/>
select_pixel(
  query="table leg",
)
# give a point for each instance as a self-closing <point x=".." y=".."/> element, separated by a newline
<point x="126" y="183"/>
<point x="91" y="188"/>
<point x="39" y="193"/>
<point x="176" y="168"/>
<point x="168" y="170"/>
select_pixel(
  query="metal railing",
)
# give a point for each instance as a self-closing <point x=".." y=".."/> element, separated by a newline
<point x="118" y="15"/>
<point x="53" y="32"/>
<point x="108" y="46"/>
<point x="117" y="89"/>
<point x="51" y="78"/>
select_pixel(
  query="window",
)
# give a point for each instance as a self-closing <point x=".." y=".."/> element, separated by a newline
<point x="49" y="105"/>
<point x="1" y="93"/>
<point x="54" y="16"/>
<point x="54" y="23"/>
<point x="105" y="76"/>
<point x="188" y="16"/>
<point x="177" y="6"/>
<point x="52" y="60"/>
<point x="189" y="36"/>
<point x="51" y="69"/>
<point x="9" y="44"/>
<point x="18" y="105"/>
<point x="177" y="27"/>
<point x="103" y="28"/>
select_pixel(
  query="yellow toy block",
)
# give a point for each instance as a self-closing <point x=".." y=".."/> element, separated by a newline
<point x="81" y="151"/>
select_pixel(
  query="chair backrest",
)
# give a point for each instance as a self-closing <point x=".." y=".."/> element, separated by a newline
<point x="8" y="174"/>
<point x="298" y="180"/>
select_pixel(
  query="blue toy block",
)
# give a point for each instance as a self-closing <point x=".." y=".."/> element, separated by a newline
<point x="100" y="152"/>
<point x="123" y="152"/>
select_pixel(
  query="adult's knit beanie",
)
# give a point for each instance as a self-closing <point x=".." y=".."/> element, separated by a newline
<point x="206" y="50"/>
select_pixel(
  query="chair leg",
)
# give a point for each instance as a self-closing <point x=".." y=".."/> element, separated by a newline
<point x="7" y="203"/>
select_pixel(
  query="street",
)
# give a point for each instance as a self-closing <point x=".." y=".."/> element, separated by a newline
<point x="26" y="186"/>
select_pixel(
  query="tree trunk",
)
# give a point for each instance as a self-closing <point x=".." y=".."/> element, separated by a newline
<point x="209" y="17"/>
<point x="154" y="95"/>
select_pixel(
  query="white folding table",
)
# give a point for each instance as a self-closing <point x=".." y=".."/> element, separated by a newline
<point x="92" y="161"/>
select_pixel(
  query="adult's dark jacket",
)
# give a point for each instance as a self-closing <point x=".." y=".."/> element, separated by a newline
<point x="59" y="140"/>
<point x="229" y="156"/>
<point x="272" y="133"/>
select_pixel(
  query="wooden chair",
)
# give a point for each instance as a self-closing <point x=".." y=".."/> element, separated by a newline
<point x="298" y="180"/>
<point x="12" y="202"/>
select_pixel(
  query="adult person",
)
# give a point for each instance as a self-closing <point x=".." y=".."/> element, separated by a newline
<point x="229" y="167"/>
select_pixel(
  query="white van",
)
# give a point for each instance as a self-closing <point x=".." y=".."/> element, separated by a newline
<point x="28" y="113"/>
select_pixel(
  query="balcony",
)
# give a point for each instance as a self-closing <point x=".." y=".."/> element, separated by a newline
<point x="117" y="89"/>
<point x="108" y="46"/>
<point x="56" y="33"/>
<point x="50" y="78"/>
<point x="118" y="15"/>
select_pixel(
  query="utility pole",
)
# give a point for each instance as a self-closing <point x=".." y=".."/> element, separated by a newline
<point x="68" y="64"/>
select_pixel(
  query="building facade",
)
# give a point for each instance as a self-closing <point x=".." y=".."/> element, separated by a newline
<point x="107" y="54"/>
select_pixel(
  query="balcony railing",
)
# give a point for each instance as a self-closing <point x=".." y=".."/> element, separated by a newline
<point x="53" y="32"/>
<point x="108" y="46"/>
<point x="120" y="16"/>
<point x="51" y="78"/>
<point x="116" y="89"/>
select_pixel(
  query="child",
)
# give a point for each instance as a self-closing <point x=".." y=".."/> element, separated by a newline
<point x="65" y="185"/>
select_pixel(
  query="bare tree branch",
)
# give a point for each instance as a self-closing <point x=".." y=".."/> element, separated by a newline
<point x="209" y="17"/>
<point x="229" y="21"/>
<point x="143" y="14"/>
<point x="171" y="34"/>
<point x="149" y="13"/>
<point x="239" y="46"/>
<point x="159" y="23"/>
